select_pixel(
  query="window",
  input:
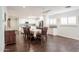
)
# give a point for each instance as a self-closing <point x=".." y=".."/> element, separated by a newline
<point x="31" y="21"/>
<point x="68" y="20"/>
<point x="64" y="20"/>
<point x="52" y="21"/>
<point x="48" y="21"/>
<point x="22" y="21"/>
<point x="72" y="20"/>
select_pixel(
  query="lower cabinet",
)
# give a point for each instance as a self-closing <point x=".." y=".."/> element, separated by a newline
<point x="10" y="37"/>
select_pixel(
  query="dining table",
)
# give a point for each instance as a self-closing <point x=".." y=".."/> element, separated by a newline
<point x="35" y="31"/>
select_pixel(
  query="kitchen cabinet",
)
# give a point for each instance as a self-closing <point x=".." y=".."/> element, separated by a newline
<point x="10" y="37"/>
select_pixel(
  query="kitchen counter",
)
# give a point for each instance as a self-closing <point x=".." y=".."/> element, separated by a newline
<point x="10" y="37"/>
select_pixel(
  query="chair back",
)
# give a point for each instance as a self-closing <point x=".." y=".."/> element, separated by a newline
<point x="44" y="30"/>
<point x="26" y="30"/>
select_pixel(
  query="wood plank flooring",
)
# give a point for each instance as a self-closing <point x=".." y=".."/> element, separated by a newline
<point x="53" y="44"/>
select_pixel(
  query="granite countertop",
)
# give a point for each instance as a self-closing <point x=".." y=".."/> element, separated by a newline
<point x="9" y="30"/>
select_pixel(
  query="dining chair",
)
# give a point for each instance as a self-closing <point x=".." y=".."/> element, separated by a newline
<point x="26" y="33"/>
<point x="38" y="36"/>
<point x="31" y="35"/>
<point x="24" y="30"/>
<point x="44" y="32"/>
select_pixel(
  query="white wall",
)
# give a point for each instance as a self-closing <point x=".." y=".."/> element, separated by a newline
<point x="68" y="31"/>
<point x="14" y="23"/>
<point x="1" y="29"/>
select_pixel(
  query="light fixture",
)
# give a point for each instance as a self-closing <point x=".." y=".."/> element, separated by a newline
<point x="67" y="6"/>
<point x="46" y="11"/>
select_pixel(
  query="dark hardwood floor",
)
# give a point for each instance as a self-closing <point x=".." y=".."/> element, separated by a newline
<point x="53" y="44"/>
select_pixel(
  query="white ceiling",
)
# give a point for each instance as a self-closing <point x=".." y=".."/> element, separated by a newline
<point x="36" y="10"/>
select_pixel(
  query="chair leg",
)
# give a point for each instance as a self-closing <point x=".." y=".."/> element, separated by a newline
<point x="24" y="36"/>
<point x="46" y="37"/>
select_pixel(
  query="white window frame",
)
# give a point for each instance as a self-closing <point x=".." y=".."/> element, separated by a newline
<point x="68" y="21"/>
<point x="53" y="21"/>
<point x="63" y="23"/>
<point x="73" y="23"/>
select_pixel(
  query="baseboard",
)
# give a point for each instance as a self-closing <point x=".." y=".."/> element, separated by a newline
<point x="52" y="35"/>
<point x="63" y="36"/>
<point x="67" y="37"/>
